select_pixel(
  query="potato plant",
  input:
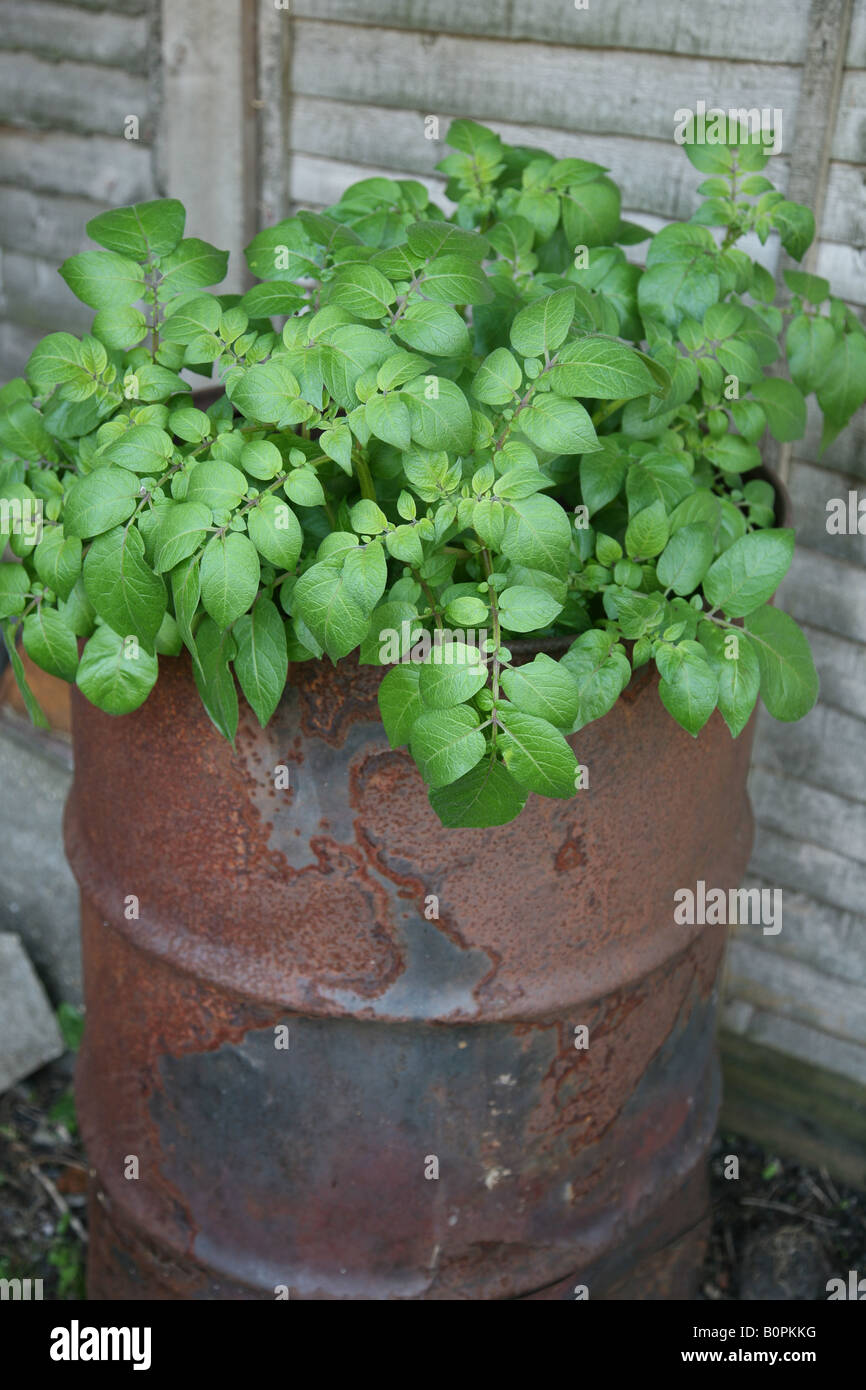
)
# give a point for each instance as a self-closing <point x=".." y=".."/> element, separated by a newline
<point x="432" y="438"/>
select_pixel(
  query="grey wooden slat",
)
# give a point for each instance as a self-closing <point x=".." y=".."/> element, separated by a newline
<point x="849" y="137"/>
<point x="603" y="89"/>
<point x="842" y="665"/>
<point x="739" y="29"/>
<point x="826" y="750"/>
<point x="789" y="989"/>
<point x="822" y="938"/>
<point x="36" y="297"/>
<point x="16" y="345"/>
<point x="96" y="166"/>
<point x="795" y="1039"/>
<point x="205" y="146"/>
<point x="654" y="175"/>
<point x="122" y="6"/>
<point x="57" y="32"/>
<point x="79" y="97"/>
<point x="827" y="593"/>
<point x="795" y="807"/>
<point x="847" y="454"/>
<point x="45" y="225"/>
<point x="834" y="879"/>
<point x="811" y="489"/>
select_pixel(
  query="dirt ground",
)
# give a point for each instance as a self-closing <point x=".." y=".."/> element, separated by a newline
<point x="780" y="1230"/>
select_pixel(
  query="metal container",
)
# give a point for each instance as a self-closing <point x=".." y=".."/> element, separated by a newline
<point x="335" y="1051"/>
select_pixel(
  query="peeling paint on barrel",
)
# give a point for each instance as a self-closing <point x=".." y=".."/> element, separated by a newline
<point x="304" y="1168"/>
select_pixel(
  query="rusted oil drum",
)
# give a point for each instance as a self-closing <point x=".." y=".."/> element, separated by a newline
<point x="291" y="1044"/>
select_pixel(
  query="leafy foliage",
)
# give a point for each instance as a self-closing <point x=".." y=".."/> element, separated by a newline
<point x="433" y="435"/>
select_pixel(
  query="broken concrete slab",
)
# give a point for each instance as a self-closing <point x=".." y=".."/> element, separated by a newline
<point x="38" y="895"/>
<point x="29" y="1035"/>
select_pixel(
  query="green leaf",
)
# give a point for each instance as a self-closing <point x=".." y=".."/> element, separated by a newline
<point x="56" y="361"/>
<point x="809" y="347"/>
<point x="362" y="290"/>
<point x="181" y="529"/>
<point x="273" y="297"/>
<point x="446" y="744"/>
<point x="121" y="586"/>
<point x="192" y="265"/>
<point x="739" y="359"/>
<point x="265" y="391"/>
<point x="230" y="572"/>
<point x="789" y="681"/>
<point x="601" y="673"/>
<point x="430" y="239"/>
<point x="796" y="227"/>
<point x="497" y="379"/>
<point x="58" y="561"/>
<point x="262" y="662"/>
<point x="525" y="609"/>
<point x="100" y="500"/>
<point x="686" y="558"/>
<point x="784" y="406"/>
<point x="536" y="754"/>
<point x="23" y="432"/>
<point x="842" y="389"/>
<point x="193" y="318"/>
<point x="152" y="228"/>
<point x="31" y="703"/>
<point x="103" y="279"/>
<point x="434" y="328"/>
<point x="749" y="572"/>
<point x="736" y="665"/>
<point x="558" y="425"/>
<point x="142" y="449"/>
<point x="346" y="353"/>
<point x="537" y="534"/>
<point x="455" y="280"/>
<point x="50" y="642"/>
<point x="213" y="677"/>
<point x="337" y="444"/>
<point x="647" y="532"/>
<point x="545" y="688"/>
<point x="324" y="600"/>
<point x="185" y="593"/>
<point x="732" y="454"/>
<point x="439" y="414"/>
<point x="156" y="383"/>
<point x="453" y="673"/>
<point x="691" y="692"/>
<point x="602" y="475"/>
<point x="400" y="702"/>
<point x="543" y="325"/>
<point x="120" y="327"/>
<point x="389" y="419"/>
<point x="14" y="584"/>
<point x="303" y="488"/>
<point x="601" y="370"/>
<point x="216" y="484"/>
<point x="591" y="213"/>
<point x="486" y="796"/>
<point x="812" y="287"/>
<point x="365" y="571"/>
<point x="275" y="532"/>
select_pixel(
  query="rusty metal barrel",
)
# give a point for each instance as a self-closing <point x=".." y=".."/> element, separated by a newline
<point x="335" y="1051"/>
